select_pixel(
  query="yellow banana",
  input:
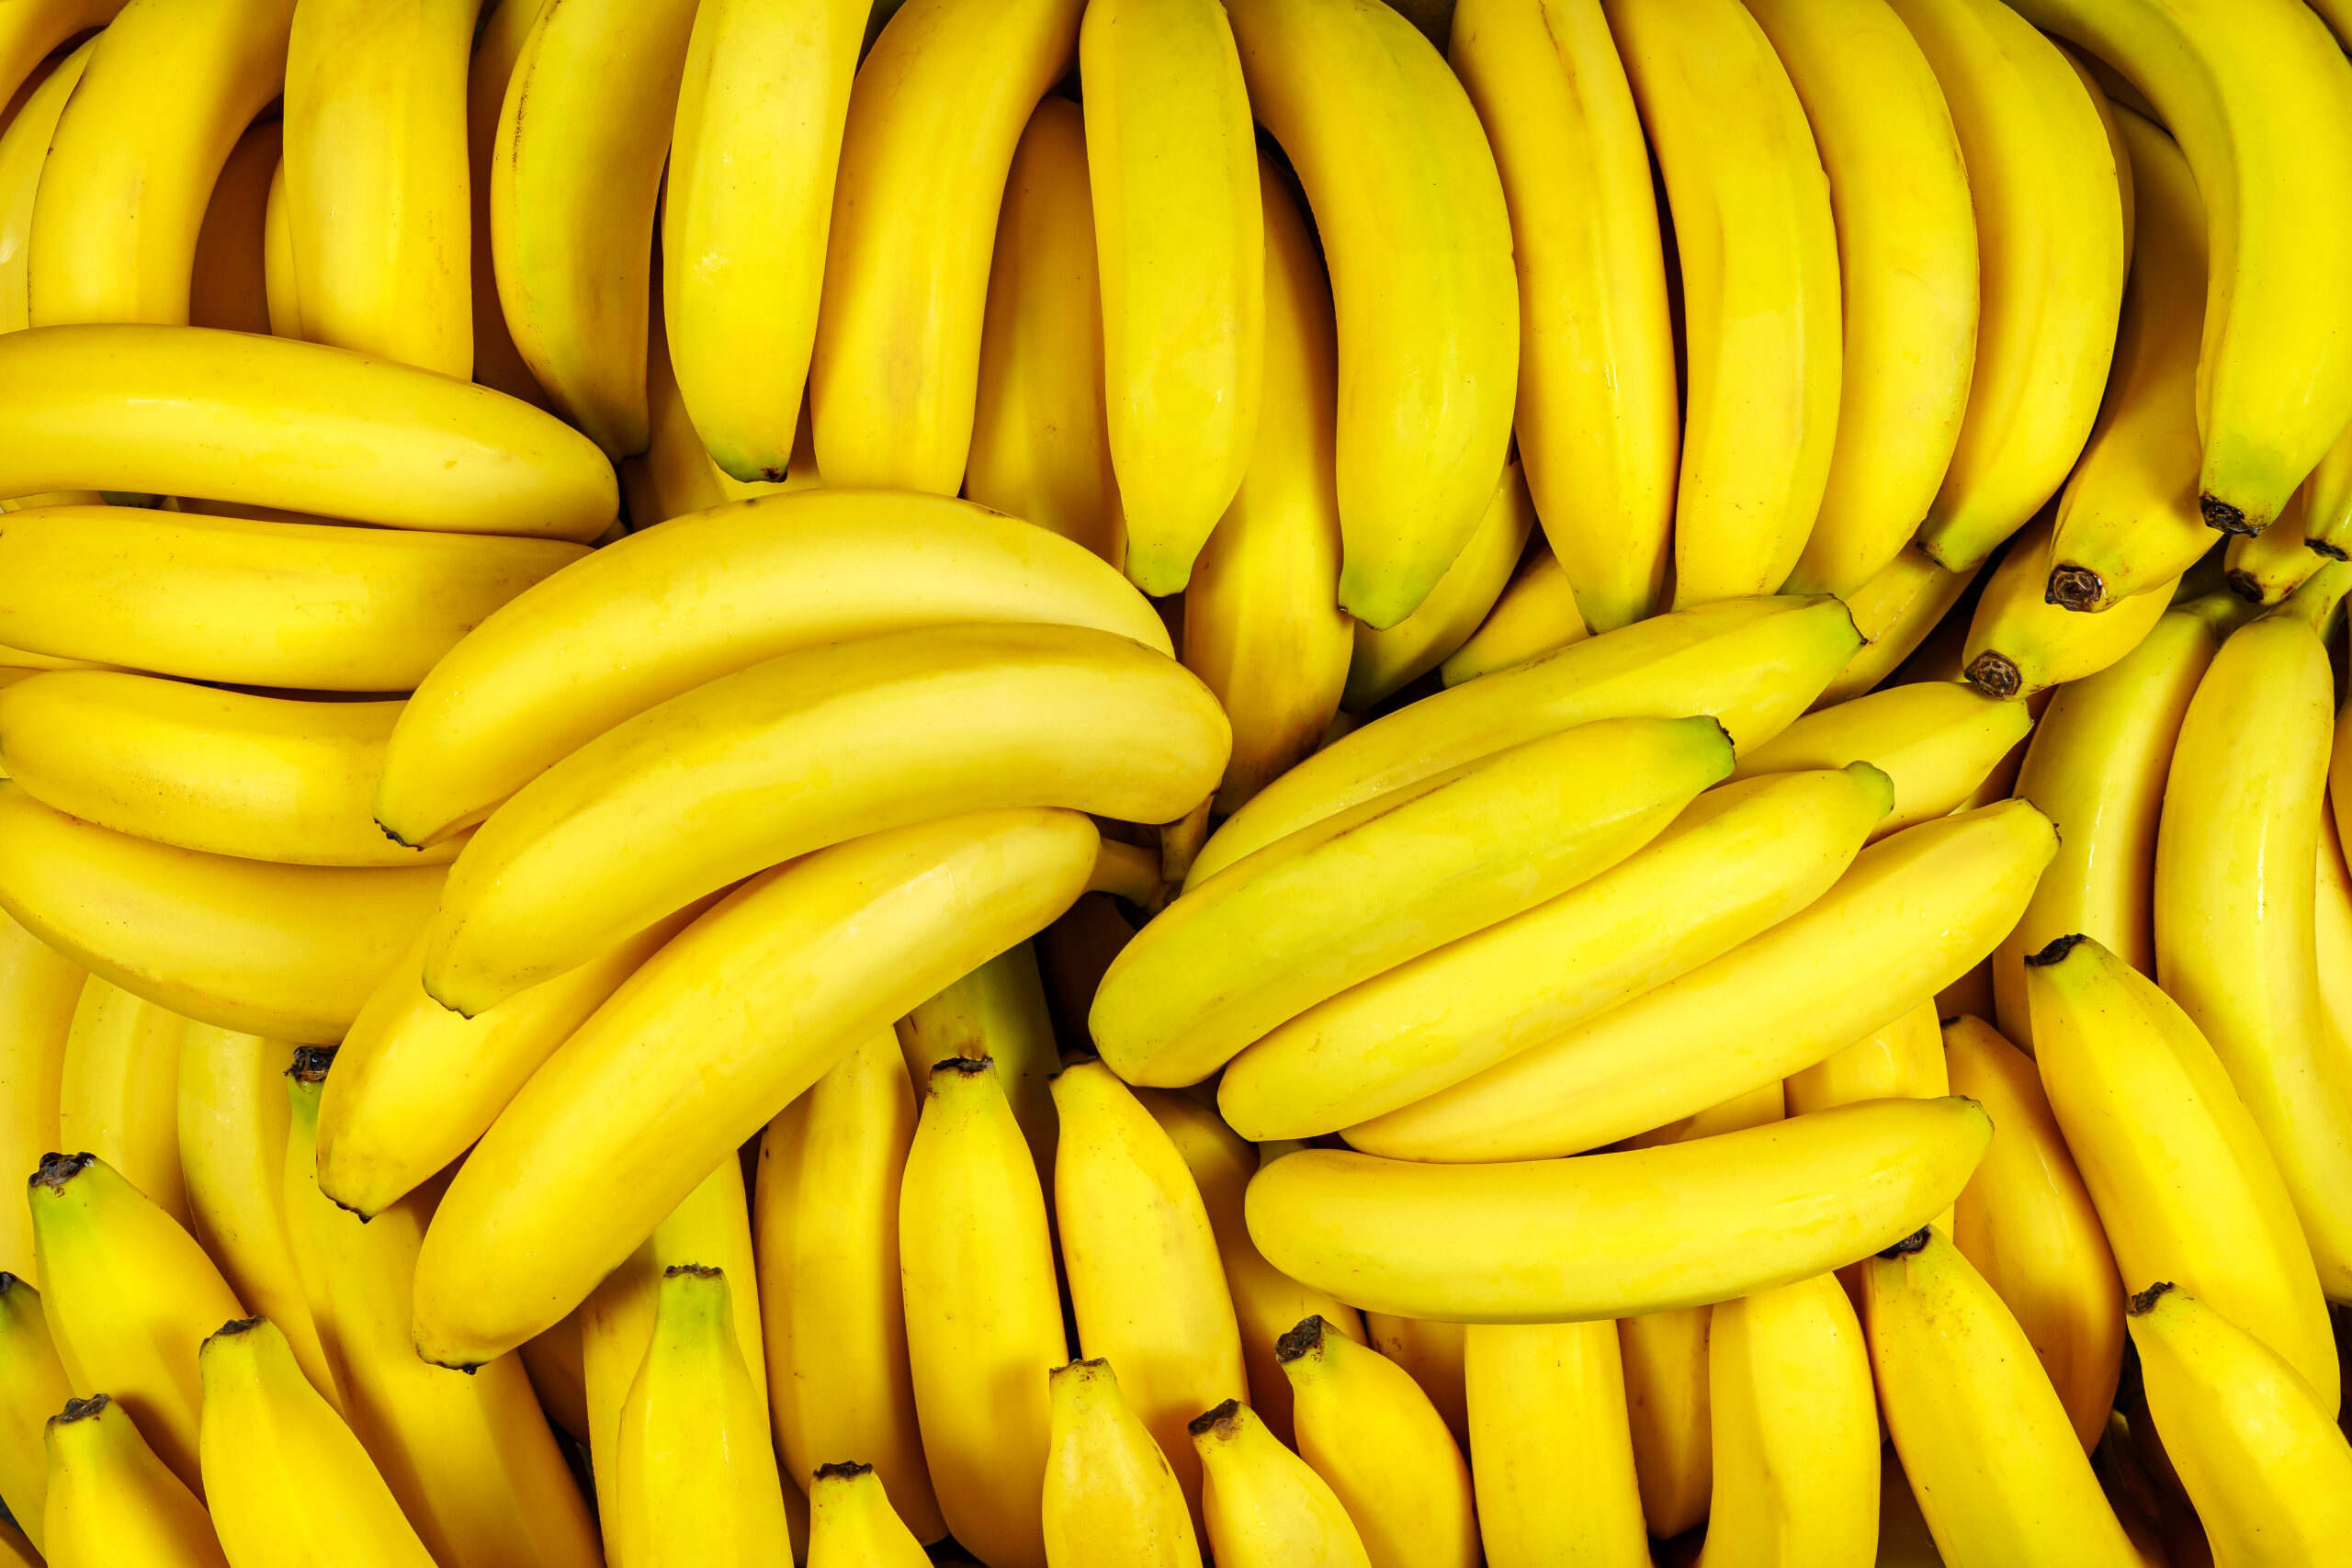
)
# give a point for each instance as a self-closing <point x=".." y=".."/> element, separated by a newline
<point x="2339" y="775"/>
<point x="1610" y="1234"/>
<point x="2233" y="901"/>
<point x="998" y="1011"/>
<point x="2051" y="239"/>
<point x="1759" y="268"/>
<point x="1549" y="1450"/>
<point x="1041" y="445"/>
<point x="1172" y="159"/>
<point x="1597" y="423"/>
<point x="2020" y="643"/>
<point x="230" y="286"/>
<point x="1535" y="614"/>
<point x="287" y="1484"/>
<point x="1663" y="1361"/>
<point x="984" y="1320"/>
<point x="285" y="952"/>
<point x="2261" y="100"/>
<point x="805" y="752"/>
<point x="39" y="991"/>
<point x="729" y="1023"/>
<point x="1739" y="861"/>
<point x="24" y="152"/>
<point x="119" y="1091"/>
<point x="32" y="1388"/>
<point x="1904" y="1058"/>
<point x="2264" y="568"/>
<point x="1426" y="297"/>
<point x="1265" y="1508"/>
<point x="1373" y="1437"/>
<point x="553" y="1357"/>
<point x="1935" y="739"/>
<point x="1386" y="662"/>
<point x="112" y="1500"/>
<point x="933" y="118"/>
<point x="659" y="613"/>
<point x="851" y="1523"/>
<point x="36" y="31"/>
<point x="1753" y="664"/>
<point x="498" y="43"/>
<point x="1912" y="914"/>
<point x="278" y="280"/>
<point x="1431" y="1353"/>
<point x="1356" y="894"/>
<point x="1894" y="611"/>
<point x="758" y="133"/>
<point x="1263" y="625"/>
<point x="675" y="474"/>
<point x="1111" y="1498"/>
<point x="2327" y="517"/>
<point x="2332" y="925"/>
<point x="1990" y="1453"/>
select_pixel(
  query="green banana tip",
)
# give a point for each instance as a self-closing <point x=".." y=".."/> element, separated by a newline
<point x="2056" y="952"/>
<point x="1304" y="1339"/>
<point x="2145" y="1301"/>
<point x="1915" y="1242"/>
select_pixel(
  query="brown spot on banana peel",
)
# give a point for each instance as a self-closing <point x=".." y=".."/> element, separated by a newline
<point x="2245" y="584"/>
<point x="2144" y="1304"/>
<point x="1916" y="1241"/>
<point x="1994" y="675"/>
<point x="2055" y="951"/>
<point x="2221" y="514"/>
<point x="2323" y="548"/>
<point x="2075" y="588"/>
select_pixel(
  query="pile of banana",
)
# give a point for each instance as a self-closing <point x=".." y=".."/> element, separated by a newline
<point x="1101" y="784"/>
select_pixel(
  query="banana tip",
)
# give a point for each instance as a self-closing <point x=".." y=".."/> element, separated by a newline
<point x="1915" y="1242"/>
<point x="2075" y="588"/>
<point x="2145" y="1301"/>
<point x="1210" y="1420"/>
<point x="2221" y="514"/>
<point x="1994" y="675"/>
<point x="2055" y="951"/>
<point x="1302" y="1341"/>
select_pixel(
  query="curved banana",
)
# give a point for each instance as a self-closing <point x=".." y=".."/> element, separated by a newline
<point x="1597" y="421"/>
<point x="1612" y="1235"/>
<point x="1425" y="296"/>
<point x="278" y="261"/>
<point x="32" y="1389"/>
<point x="1753" y="664"/>
<point x="33" y="32"/>
<point x="2327" y="515"/>
<point x="2052" y="240"/>
<point x="1535" y="614"/>
<point x="1111" y="1491"/>
<point x="287" y="1481"/>
<point x="675" y="474"/>
<point x="2264" y="569"/>
<point x="999" y="1010"/>
<point x="1912" y="913"/>
<point x="1935" y="740"/>
<point x="499" y="38"/>
<point x="24" y="152"/>
<point x="231" y="287"/>
<point x="1352" y="897"/>
<point x="285" y="952"/>
<point x="1172" y="158"/>
<point x="2332" y="923"/>
<point x="750" y="195"/>
<point x="1369" y="1431"/>
<point x="39" y="991"/>
<point x="1431" y="1353"/>
<point x="850" y="1524"/>
<point x="984" y="1320"/>
<point x="1894" y="612"/>
<point x="661" y="612"/>
<point x="1904" y="1058"/>
<point x="1550" y="1453"/>
<point x="805" y="752"/>
<point x="1386" y="662"/>
<point x="729" y="1023"/>
<point x="1988" y="1448"/>
<point x="1761" y="289"/>
<point x="2020" y="642"/>
<point x="119" y="1091"/>
<point x="933" y="118"/>
<point x="1264" y="1508"/>
<point x="112" y="1500"/>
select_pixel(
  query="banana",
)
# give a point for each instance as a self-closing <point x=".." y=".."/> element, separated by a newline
<point x="1739" y="861"/>
<point x="1904" y="1058"/>
<point x="1262" y="626"/>
<point x="1761" y="289"/>
<point x="825" y="1219"/>
<point x="933" y="118"/>
<point x="285" y="952"/>
<point x="287" y="1484"/>
<point x="1172" y="160"/>
<point x="1935" y="740"/>
<point x="1614" y="1235"/>
<point x="1597" y="422"/>
<point x="2332" y="922"/>
<point x="119" y="1091"/>
<point x="2264" y="568"/>
<point x="126" y="1294"/>
<point x="984" y="1323"/>
<point x="2150" y="1118"/>
<point x="36" y="31"/>
<point x="850" y="1524"/>
<point x="1386" y="662"/>
<point x="2096" y="767"/>
<point x="112" y="1500"/>
<point x="1894" y="611"/>
<point x="278" y="261"/>
<point x="554" y="1359"/>
<point x="231" y="285"/>
<point x="1535" y="614"/>
<point x="1265" y="1508"/>
<point x="2339" y="775"/>
<point x="377" y="210"/>
<point x="1041" y="444"/>
<point x="31" y="1389"/>
<point x="1431" y="1353"/>
<point x="1912" y="914"/>
<point x="2327" y="495"/>
<point x="1369" y="1431"/>
<point x="1753" y="664"/>
<point x="1426" y="297"/>
<point x="2234" y="901"/>
<point x="2261" y="100"/>
<point x="1112" y="1495"/>
<point x="2262" y="1460"/>
<point x="24" y="152"/>
<point x="39" y="991"/>
<point x="806" y="752"/>
<point x="675" y="474"/>
<point x="2020" y="643"/>
<point x="729" y="1023"/>
<point x="999" y="1010"/>
<point x="758" y="133"/>
<point x="499" y="38"/>
<point x="2051" y="239"/>
<point x="1549" y="1449"/>
<point x="659" y="613"/>
<point x="1356" y="894"/>
<point x="1990" y="1453"/>
<point x="2028" y="1225"/>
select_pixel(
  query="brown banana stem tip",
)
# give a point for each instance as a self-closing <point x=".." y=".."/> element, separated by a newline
<point x="2056" y="950"/>
<point x="1995" y="675"/>
<point x="695" y="1270"/>
<point x="1915" y="1242"/>
<point x="312" y="1062"/>
<point x="1300" y="1341"/>
<point x="2332" y="552"/>
<point x="1208" y="1420"/>
<point x="969" y="1066"/>
<point x="83" y="1409"/>
<point x="2245" y="584"/>
<point x="2073" y="588"/>
<point x="57" y="1169"/>
<point x="844" y="1470"/>
<point x="2145" y="1301"/>
<point x="396" y="837"/>
<point x="2221" y="514"/>
<point x="233" y="1327"/>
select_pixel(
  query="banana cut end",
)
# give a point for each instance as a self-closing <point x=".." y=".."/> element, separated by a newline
<point x="1213" y="1420"/>
<point x="2218" y="514"/>
<point x="2144" y="1303"/>
<point x="1915" y="1242"/>
<point x="2055" y="951"/>
<point x="2075" y="588"/>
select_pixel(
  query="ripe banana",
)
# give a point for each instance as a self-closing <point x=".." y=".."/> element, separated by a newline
<point x="1535" y="614"/>
<point x="498" y="43"/>
<point x="1172" y="158"/>
<point x="2264" y="568"/>
<point x="1112" y="1495"/>
<point x="722" y="1028"/>
<point x="119" y="1091"/>
<point x="1262" y="626"/>
<point x="1597" y="423"/>
<point x="112" y="1500"/>
<point x="758" y="133"/>
<point x="32" y="1389"/>
<point x="1736" y="862"/>
<point x="1904" y="1058"/>
<point x="2332" y="922"/>
<point x="999" y="1010"/>
<point x="287" y="1484"/>
<point x="1894" y="611"/>
<point x="2052" y="240"/>
<point x="1912" y="914"/>
<point x="278" y="281"/>
<point x="1265" y="1508"/>
<point x="1991" y="1456"/>
<point x="230" y="286"/>
<point x="1356" y="894"/>
<point x="1431" y="1353"/>
<point x="1549" y="1450"/>
<point x="1753" y="664"/>
<point x="1427" y="300"/>
<point x="1935" y="740"/>
<point x="850" y="1524"/>
<point x="2327" y="515"/>
<point x="39" y="989"/>
<point x="1041" y="442"/>
<point x="661" y="612"/>
<point x="1369" y="1431"/>
<point x="2020" y="643"/>
<point x="933" y="117"/>
<point x="808" y="750"/>
<point x="1616" y="1234"/>
<point x="31" y="35"/>
<point x="2261" y="100"/>
<point x="24" y="151"/>
<point x="675" y="474"/>
<point x="1387" y="661"/>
